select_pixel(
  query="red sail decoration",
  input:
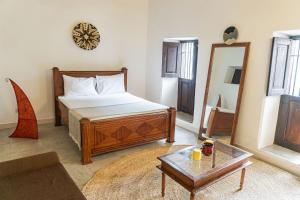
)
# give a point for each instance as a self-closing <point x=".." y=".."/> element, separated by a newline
<point x="27" y="123"/>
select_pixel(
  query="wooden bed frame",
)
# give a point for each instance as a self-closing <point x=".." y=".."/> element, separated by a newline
<point x="219" y="122"/>
<point x="107" y="135"/>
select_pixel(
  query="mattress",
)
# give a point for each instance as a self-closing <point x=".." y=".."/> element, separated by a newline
<point x="105" y="107"/>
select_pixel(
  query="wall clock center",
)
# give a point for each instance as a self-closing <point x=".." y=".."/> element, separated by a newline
<point x="86" y="37"/>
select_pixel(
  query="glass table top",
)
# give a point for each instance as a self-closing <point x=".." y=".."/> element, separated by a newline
<point x="182" y="160"/>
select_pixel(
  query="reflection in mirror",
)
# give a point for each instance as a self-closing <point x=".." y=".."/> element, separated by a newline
<point x="225" y="79"/>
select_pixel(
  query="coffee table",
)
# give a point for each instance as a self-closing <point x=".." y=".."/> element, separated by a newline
<point x="197" y="175"/>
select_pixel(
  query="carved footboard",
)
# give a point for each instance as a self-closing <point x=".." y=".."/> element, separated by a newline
<point x="118" y="133"/>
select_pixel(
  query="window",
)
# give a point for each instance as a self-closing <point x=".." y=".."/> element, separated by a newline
<point x="284" y="76"/>
<point x="187" y="60"/>
<point x="179" y="59"/>
<point x="294" y="88"/>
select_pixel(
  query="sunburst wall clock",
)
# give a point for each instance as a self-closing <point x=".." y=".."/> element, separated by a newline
<point x="86" y="36"/>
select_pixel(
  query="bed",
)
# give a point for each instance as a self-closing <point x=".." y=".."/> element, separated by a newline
<point x="103" y="124"/>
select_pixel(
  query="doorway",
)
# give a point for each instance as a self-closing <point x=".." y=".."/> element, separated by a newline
<point x="179" y="64"/>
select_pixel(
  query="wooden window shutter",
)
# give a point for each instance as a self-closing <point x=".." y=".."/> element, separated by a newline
<point x="279" y="67"/>
<point x="287" y="129"/>
<point x="171" y="60"/>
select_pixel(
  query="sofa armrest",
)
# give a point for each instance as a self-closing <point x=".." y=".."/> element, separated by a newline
<point x="28" y="163"/>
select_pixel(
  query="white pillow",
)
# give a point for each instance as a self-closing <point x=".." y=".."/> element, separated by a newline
<point x="110" y="84"/>
<point x="79" y="86"/>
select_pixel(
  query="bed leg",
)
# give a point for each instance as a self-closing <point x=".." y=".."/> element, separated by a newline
<point x="85" y="141"/>
<point x="57" y="114"/>
<point x="57" y="120"/>
<point x="172" y="123"/>
<point x="56" y="76"/>
<point x="211" y="123"/>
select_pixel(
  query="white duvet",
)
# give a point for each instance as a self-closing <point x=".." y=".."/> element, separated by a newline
<point x="103" y="107"/>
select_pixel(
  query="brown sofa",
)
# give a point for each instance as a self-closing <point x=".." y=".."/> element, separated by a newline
<point x="39" y="177"/>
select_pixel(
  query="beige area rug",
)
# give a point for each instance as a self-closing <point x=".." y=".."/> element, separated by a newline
<point x="135" y="177"/>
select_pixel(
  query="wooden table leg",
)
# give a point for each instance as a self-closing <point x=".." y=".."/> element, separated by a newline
<point x="192" y="197"/>
<point x="213" y="158"/>
<point x="163" y="184"/>
<point x="242" y="178"/>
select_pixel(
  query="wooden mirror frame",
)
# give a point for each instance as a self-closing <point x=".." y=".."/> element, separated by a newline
<point x="241" y="88"/>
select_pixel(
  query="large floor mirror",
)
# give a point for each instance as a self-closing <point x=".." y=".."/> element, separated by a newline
<point x="224" y="89"/>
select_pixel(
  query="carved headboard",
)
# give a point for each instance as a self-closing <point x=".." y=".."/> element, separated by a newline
<point x="58" y="82"/>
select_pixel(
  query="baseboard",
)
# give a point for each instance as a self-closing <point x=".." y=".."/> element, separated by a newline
<point x="14" y="124"/>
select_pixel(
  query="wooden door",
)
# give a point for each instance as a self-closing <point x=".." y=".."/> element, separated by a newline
<point x="288" y="123"/>
<point x="187" y="77"/>
<point x="171" y="59"/>
<point x="279" y="67"/>
<point x="186" y="95"/>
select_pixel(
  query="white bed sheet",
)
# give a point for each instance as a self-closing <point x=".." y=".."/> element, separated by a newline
<point x="98" y="100"/>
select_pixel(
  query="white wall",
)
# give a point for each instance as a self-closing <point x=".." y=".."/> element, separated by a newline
<point x="169" y="92"/>
<point x="207" y="20"/>
<point x="36" y="36"/>
<point x="223" y="59"/>
<point x="269" y="121"/>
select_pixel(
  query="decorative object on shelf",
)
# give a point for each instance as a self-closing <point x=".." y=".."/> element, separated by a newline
<point x="208" y="147"/>
<point x="27" y="123"/>
<point x="196" y="155"/>
<point x="230" y="35"/>
<point x="86" y="36"/>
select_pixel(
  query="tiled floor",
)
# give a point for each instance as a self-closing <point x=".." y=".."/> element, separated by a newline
<point x="56" y="139"/>
<point x="185" y="117"/>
